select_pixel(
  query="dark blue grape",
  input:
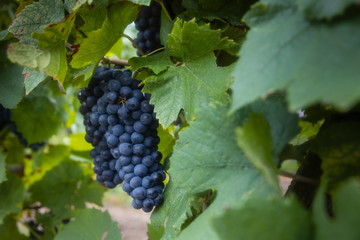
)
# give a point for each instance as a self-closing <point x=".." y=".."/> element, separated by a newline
<point x="124" y="112"/>
<point x="103" y="120"/>
<point x="128" y="177"/>
<point x="98" y="170"/>
<point x="148" y="161"/>
<point x="121" y="174"/>
<point x="124" y="160"/>
<point x="136" y="115"/>
<point x="135" y="182"/>
<point x="112" y="120"/>
<point x="132" y="103"/>
<point x="136" y="160"/>
<point x="148" y="203"/>
<point x="112" y="108"/>
<point x="158" y="200"/>
<point x="147" y="182"/>
<point x="126" y="187"/>
<point x="139" y="193"/>
<point x="129" y="122"/>
<point x="117" y="130"/>
<point x="137" y="203"/>
<point x="146" y="118"/>
<point x="125" y="138"/>
<point x="128" y="168"/>
<point x="138" y="94"/>
<point x="107" y="175"/>
<point x="149" y="142"/>
<point x="112" y="141"/>
<point x="129" y="129"/>
<point x="140" y="170"/>
<point x="137" y="138"/>
<point x="125" y="149"/>
<point x="94" y="119"/>
<point x="117" y="179"/>
<point x="112" y="164"/>
<point x="97" y="91"/>
<point x="99" y="178"/>
<point x="157" y="156"/>
<point x="139" y="127"/>
<point x="112" y="96"/>
<point x="90" y="101"/>
<point x="138" y="149"/>
<point x="105" y="166"/>
<point x="114" y="85"/>
<point x="125" y="92"/>
<point x="152" y="192"/>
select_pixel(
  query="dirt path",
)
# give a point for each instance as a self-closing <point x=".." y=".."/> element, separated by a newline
<point x="132" y="222"/>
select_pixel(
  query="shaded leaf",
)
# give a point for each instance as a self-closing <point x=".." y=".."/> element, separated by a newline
<point x="90" y="224"/>
<point x="346" y="208"/>
<point x="12" y="195"/>
<point x="32" y="79"/>
<point x="285" y="51"/>
<point x="264" y="219"/>
<point x="37" y="118"/>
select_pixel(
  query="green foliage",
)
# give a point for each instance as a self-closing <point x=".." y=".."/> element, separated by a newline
<point x="226" y="87"/>
<point x="286" y="51"/>
<point x="33" y="119"/>
<point x="100" y="224"/>
<point x="13" y="191"/>
<point x="346" y="206"/>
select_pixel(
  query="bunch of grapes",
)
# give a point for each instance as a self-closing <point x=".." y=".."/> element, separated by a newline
<point x="122" y="126"/>
<point x="148" y="24"/>
<point x="5" y="119"/>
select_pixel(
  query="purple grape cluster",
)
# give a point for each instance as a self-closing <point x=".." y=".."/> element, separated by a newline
<point x="148" y="24"/>
<point x="122" y="126"/>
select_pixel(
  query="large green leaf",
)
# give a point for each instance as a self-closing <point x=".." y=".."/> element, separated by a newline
<point x="265" y="219"/>
<point x="90" y="224"/>
<point x="254" y="138"/>
<point x="32" y="79"/>
<point x="311" y="61"/>
<point x="68" y="187"/>
<point x="338" y="145"/>
<point x="50" y="57"/>
<point x="11" y="81"/>
<point x="12" y="194"/>
<point x="325" y="9"/>
<point x="346" y="208"/>
<point x="100" y="41"/>
<point x="187" y="86"/>
<point x="35" y="17"/>
<point x="9" y="229"/>
<point x="197" y="166"/>
<point x="37" y="118"/>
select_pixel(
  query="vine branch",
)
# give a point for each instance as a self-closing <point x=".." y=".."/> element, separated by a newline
<point x="133" y="42"/>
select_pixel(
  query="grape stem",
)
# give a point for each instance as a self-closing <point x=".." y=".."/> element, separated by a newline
<point x="121" y="62"/>
<point x="161" y="2"/>
<point x="298" y="177"/>
<point x="206" y="200"/>
<point x="133" y="42"/>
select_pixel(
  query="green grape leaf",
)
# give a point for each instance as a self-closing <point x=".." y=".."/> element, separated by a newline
<point x="12" y="195"/>
<point x="229" y="11"/>
<point x="2" y="167"/>
<point x="285" y="51"/>
<point x="80" y="77"/>
<point x="254" y="138"/>
<point x="45" y="161"/>
<point x="35" y="17"/>
<point x="12" y="85"/>
<point x="15" y="150"/>
<point x="157" y="62"/>
<point x="338" y="146"/>
<point x="37" y="118"/>
<point x="266" y="219"/>
<point x="9" y="229"/>
<point x="324" y="9"/>
<point x="77" y="142"/>
<point x="346" y="208"/>
<point x="68" y="188"/>
<point x="90" y="224"/>
<point x="186" y="41"/>
<point x="167" y="142"/>
<point x="187" y="86"/>
<point x="93" y="16"/>
<point x="197" y="166"/>
<point x="100" y="41"/>
<point x="32" y="79"/>
<point x="166" y="27"/>
<point x="53" y="43"/>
